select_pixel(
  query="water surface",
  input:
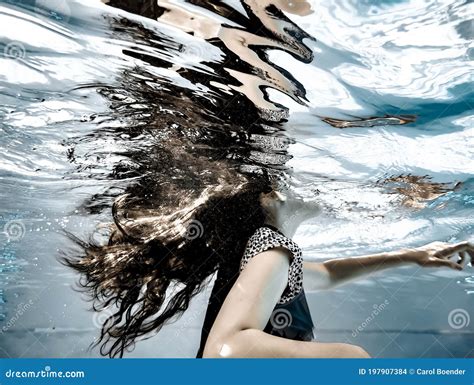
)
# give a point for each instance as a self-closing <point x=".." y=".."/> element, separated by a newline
<point x="85" y="88"/>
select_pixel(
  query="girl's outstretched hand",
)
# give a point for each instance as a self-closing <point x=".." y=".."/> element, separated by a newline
<point x="438" y="254"/>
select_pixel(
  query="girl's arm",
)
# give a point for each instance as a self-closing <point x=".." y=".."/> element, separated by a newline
<point x="238" y="328"/>
<point x="325" y="275"/>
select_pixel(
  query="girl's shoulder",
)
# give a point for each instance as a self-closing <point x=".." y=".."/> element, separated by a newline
<point x="266" y="238"/>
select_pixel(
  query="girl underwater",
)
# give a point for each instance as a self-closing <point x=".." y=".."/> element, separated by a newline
<point x="211" y="197"/>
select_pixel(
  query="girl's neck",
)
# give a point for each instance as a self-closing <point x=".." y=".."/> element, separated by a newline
<point x="286" y="227"/>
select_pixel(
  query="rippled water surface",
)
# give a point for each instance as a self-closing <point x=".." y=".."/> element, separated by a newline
<point x="369" y="104"/>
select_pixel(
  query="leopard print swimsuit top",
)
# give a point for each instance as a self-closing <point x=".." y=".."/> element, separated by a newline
<point x="291" y="317"/>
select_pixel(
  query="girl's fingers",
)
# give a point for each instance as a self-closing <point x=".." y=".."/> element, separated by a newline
<point x="451" y="249"/>
<point x="462" y="258"/>
<point x="456" y="266"/>
<point x="471" y="254"/>
<point x="448" y="263"/>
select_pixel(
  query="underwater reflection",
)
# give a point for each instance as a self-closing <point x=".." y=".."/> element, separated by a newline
<point x="198" y="140"/>
<point x="387" y="120"/>
<point x="417" y="191"/>
<point x="244" y="41"/>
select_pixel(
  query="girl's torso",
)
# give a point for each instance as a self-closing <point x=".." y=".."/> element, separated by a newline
<point x="291" y="317"/>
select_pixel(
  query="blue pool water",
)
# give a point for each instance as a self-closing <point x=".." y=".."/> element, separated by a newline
<point x="76" y="75"/>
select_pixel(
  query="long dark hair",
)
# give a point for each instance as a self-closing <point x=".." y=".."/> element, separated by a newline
<point x="192" y="169"/>
<point x="149" y="251"/>
<point x="192" y="203"/>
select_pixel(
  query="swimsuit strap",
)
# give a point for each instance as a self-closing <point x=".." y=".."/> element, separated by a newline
<point x="273" y="228"/>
